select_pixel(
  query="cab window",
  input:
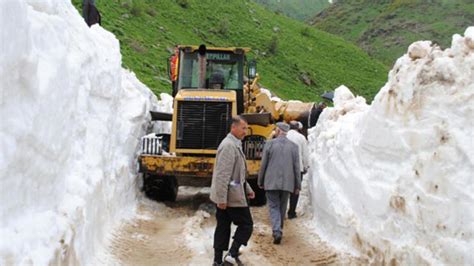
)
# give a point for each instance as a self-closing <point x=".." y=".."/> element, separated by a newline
<point x="228" y="66"/>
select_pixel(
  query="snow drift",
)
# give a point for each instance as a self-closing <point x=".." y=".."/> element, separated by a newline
<point x="393" y="181"/>
<point x="71" y="119"/>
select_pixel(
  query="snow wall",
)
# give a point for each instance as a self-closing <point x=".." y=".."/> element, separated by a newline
<point x="394" y="181"/>
<point x="70" y="123"/>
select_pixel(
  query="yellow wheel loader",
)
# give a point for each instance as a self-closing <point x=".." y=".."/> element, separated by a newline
<point x="208" y="89"/>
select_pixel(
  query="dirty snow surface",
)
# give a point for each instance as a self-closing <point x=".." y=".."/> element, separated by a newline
<point x="394" y="181"/>
<point x="70" y="123"/>
<point x="390" y="182"/>
<point x="181" y="233"/>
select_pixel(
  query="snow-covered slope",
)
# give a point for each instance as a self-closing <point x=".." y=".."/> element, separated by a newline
<point x="394" y="181"/>
<point x="70" y="123"/>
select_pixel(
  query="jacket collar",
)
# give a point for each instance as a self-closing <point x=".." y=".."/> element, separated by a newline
<point x="237" y="141"/>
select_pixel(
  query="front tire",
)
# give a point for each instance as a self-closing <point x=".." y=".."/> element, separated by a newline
<point x="160" y="188"/>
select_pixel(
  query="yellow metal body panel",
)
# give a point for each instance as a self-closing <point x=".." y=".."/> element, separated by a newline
<point x="256" y="101"/>
<point x="187" y="165"/>
<point x="257" y="130"/>
<point x="294" y="110"/>
<point x="253" y="166"/>
<point x="203" y="96"/>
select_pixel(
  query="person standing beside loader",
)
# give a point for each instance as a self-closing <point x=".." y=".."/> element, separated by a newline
<point x="90" y="12"/>
<point x="279" y="176"/>
<point x="300" y="140"/>
<point x="229" y="191"/>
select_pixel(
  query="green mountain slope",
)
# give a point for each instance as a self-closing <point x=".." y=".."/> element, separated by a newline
<point x="294" y="60"/>
<point x="385" y="28"/>
<point x="298" y="9"/>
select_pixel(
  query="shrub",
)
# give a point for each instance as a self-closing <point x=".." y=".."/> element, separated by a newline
<point x="306" y="32"/>
<point x="183" y="3"/>
<point x="151" y="11"/>
<point x="273" y="45"/>
<point x="223" y="27"/>
<point x="138" y="7"/>
<point x="137" y="46"/>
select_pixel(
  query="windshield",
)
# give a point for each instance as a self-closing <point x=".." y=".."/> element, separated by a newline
<point x="221" y="67"/>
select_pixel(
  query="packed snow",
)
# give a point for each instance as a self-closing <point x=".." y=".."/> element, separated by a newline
<point x="71" y="119"/>
<point x="393" y="181"/>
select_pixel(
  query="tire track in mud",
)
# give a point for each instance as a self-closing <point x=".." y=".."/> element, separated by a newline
<point x="151" y="239"/>
<point x="156" y="235"/>
<point x="299" y="246"/>
<point x="180" y="234"/>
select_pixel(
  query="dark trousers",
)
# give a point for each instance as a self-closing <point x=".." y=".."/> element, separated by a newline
<point x="241" y="217"/>
<point x="294" y="201"/>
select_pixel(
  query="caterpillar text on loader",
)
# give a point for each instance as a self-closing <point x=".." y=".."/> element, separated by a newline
<point x="208" y="89"/>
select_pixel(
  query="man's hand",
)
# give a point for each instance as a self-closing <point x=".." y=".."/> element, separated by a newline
<point x="297" y="191"/>
<point x="222" y="206"/>
<point x="251" y="195"/>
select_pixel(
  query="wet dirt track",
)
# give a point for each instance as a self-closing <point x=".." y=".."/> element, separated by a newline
<point x="181" y="233"/>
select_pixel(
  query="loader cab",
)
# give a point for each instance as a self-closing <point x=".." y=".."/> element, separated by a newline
<point x="212" y="68"/>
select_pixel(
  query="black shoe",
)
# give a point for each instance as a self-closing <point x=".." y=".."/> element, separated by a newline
<point x="218" y="264"/>
<point x="291" y="215"/>
<point x="277" y="240"/>
<point x="233" y="260"/>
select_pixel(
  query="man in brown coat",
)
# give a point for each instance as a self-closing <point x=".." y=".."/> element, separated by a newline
<point x="229" y="191"/>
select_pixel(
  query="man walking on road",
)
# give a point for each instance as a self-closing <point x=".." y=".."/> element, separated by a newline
<point x="279" y="175"/>
<point x="302" y="143"/>
<point x="229" y="191"/>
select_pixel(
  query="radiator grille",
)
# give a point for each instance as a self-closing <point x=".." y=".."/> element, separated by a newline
<point x="202" y="125"/>
<point x="151" y="145"/>
<point x="253" y="147"/>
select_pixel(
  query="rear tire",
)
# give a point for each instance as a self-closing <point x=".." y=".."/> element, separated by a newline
<point x="260" y="198"/>
<point x="160" y="188"/>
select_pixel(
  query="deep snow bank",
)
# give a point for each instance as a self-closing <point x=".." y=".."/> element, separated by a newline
<point x="395" y="180"/>
<point x="70" y="123"/>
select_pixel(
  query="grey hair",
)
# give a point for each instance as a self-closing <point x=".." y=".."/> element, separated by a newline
<point x="237" y="119"/>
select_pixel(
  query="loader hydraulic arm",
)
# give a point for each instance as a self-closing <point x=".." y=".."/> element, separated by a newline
<point x="257" y="101"/>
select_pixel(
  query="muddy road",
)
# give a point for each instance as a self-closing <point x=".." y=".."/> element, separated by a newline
<point x="181" y="233"/>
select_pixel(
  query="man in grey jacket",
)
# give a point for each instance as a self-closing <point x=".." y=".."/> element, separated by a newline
<point x="229" y="191"/>
<point x="279" y="175"/>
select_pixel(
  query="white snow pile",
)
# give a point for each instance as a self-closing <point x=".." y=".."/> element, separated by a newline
<point x="394" y="181"/>
<point x="70" y="123"/>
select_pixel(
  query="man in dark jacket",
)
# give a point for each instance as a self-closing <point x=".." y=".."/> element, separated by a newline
<point x="279" y="175"/>
<point x="90" y="13"/>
